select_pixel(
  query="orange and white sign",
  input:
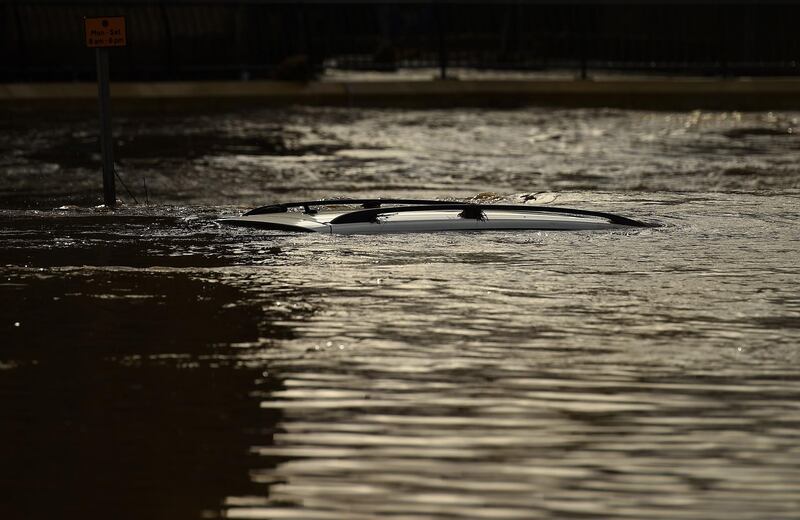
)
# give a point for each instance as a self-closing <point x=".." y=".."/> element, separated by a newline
<point x="105" y="31"/>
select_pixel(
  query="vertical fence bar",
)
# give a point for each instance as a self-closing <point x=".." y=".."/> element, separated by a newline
<point x="440" y="34"/>
<point x="723" y="36"/>
<point x="167" y="40"/>
<point x="22" y="47"/>
<point x="240" y="38"/>
<point x="583" y="25"/>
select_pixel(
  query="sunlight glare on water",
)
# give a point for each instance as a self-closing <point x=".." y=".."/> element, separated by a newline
<point x="541" y="375"/>
<point x="172" y="368"/>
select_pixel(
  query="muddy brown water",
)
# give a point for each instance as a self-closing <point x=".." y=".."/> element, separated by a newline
<point x="156" y="365"/>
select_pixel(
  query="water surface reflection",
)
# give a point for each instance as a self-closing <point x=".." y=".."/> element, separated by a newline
<point x="155" y="365"/>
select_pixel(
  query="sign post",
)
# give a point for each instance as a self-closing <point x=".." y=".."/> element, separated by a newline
<point x="102" y="33"/>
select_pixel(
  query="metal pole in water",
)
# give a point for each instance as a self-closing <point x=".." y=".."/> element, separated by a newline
<point x="101" y="33"/>
<point x="106" y="144"/>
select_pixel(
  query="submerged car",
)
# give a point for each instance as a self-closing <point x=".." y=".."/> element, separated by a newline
<point x="378" y="216"/>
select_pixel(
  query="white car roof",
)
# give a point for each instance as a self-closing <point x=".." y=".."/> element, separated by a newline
<point x="421" y="215"/>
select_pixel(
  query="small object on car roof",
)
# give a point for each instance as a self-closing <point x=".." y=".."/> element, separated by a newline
<point x="380" y="216"/>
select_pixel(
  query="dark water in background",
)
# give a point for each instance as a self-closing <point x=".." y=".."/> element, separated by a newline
<point x="154" y="365"/>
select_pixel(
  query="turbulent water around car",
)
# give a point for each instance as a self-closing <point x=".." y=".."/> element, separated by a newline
<point x="157" y="365"/>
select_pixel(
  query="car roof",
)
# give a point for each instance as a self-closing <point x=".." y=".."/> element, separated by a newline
<point x="371" y="209"/>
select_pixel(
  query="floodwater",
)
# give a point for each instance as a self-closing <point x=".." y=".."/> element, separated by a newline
<point x="155" y="365"/>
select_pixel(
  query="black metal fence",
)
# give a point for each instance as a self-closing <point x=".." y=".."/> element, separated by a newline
<point x="179" y="39"/>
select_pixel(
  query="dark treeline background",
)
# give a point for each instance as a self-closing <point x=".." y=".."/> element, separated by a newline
<point x="180" y="39"/>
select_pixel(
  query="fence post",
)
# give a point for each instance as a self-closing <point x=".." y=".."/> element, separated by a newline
<point x="723" y="18"/>
<point x="583" y="26"/>
<point x="168" y="40"/>
<point x="22" y="47"/>
<point x="440" y="30"/>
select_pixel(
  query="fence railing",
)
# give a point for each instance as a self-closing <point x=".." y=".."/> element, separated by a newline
<point x="181" y="39"/>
